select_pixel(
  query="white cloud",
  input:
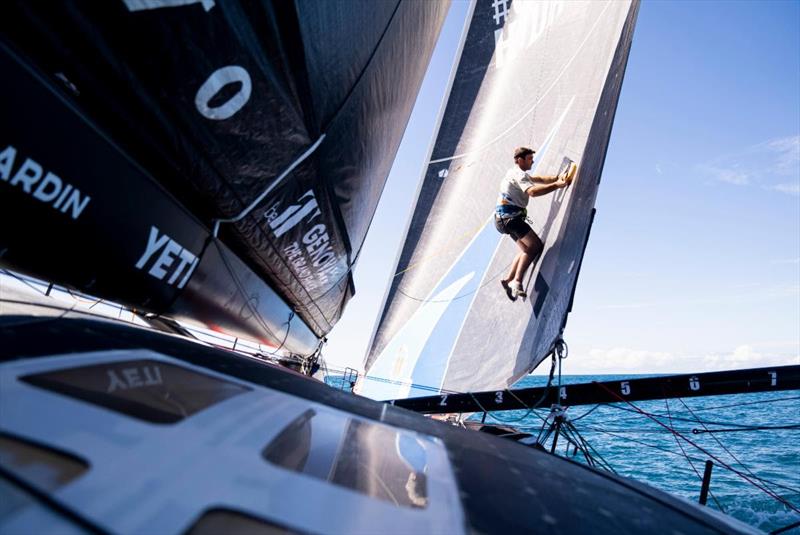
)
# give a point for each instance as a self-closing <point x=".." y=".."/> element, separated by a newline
<point x="767" y="164"/>
<point x="786" y="153"/>
<point x="658" y="169"/>
<point x="791" y="189"/>
<point x="730" y="175"/>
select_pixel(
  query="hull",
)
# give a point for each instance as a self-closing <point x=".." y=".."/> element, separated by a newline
<point x="152" y="433"/>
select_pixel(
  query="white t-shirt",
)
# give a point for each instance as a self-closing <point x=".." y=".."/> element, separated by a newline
<point x="513" y="187"/>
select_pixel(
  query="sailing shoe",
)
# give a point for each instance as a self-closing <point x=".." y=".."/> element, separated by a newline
<point x="507" y="288"/>
<point x="518" y="291"/>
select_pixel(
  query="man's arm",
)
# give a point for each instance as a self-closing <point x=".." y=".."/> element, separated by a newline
<point x="546" y="179"/>
<point x="543" y="189"/>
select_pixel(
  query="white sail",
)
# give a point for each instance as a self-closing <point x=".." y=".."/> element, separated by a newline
<point x="542" y="74"/>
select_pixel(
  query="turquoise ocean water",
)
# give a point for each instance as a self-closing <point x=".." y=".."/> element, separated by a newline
<point x="637" y="447"/>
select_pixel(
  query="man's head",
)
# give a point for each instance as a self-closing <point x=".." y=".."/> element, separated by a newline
<point x="523" y="157"/>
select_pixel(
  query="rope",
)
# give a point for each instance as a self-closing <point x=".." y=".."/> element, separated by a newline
<point x="532" y="407"/>
<point x="443" y="249"/>
<point x="488" y="281"/>
<point x="759" y="428"/>
<point x="785" y="528"/>
<point x="678" y="418"/>
<point x="748" y="403"/>
<point x="719" y="461"/>
<point x="721" y="445"/>
<point x="691" y="464"/>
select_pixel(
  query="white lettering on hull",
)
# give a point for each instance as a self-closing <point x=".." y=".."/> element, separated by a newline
<point x="165" y="263"/>
<point x="51" y="189"/>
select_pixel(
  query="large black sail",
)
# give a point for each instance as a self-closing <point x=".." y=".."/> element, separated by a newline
<point x="213" y="160"/>
<point x="543" y="74"/>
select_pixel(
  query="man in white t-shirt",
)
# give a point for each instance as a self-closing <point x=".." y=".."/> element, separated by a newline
<point x="509" y="218"/>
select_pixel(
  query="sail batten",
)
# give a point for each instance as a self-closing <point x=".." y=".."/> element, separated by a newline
<point x="543" y="74"/>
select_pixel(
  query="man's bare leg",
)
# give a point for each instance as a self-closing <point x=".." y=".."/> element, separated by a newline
<point x="531" y="247"/>
<point x="513" y="269"/>
<point x="511" y="274"/>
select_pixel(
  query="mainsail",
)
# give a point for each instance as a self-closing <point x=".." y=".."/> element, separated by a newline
<point x="214" y="161"/>
<point x="543" y="74"/>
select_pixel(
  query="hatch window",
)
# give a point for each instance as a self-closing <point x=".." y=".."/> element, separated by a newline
<point x="229" y="522"/>
<point x="44" y="468"/>
<point x="149" y="390"/>
<point x="369" y="458"/>
<point x="40" y="467"/>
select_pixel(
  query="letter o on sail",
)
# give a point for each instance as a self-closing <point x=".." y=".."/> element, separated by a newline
<point x="211" y="87"/>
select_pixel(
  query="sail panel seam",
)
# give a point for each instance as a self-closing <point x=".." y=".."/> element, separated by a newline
<point x="501" y="135"/>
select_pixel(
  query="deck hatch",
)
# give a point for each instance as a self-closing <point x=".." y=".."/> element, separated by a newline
<point x="372" y="459"/>
<point x="146" y="389"/>
<point x="217" y="521"/>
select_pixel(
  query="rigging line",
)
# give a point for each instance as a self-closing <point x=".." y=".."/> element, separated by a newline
<point x="757" y="428"/>
<point x="587" y="413"/>
<point x="82" y="298"/>
<point x="488" y="281"/>
<point x="681" y="419"/>
<point x="25" y="282"/>
<point x="443" y="249"/>
<point x="635" y="430"/>
<point x="691" y="464"/>
<point x="588" y="445"/>
<point x="665" y="450"/>
<point x="784" y="528"/>
<point x="285" y="336"/>
<point x="531" y="408"/>
<point x="547" y="91"/>
<point x="243" y="292"/>
<point x="45" y="319"/>
<point x="718" y="441"/>
<point x="616" y="434"/>
<point x="413" y="385"/>
<point x="747" y="403"/>
<point x="268" y="189"/>
<point x="719" y="461"/>
<point x="640" y="442"/>
<point x="573" y="440"/>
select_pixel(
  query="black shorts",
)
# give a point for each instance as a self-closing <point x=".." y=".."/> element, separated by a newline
<point x="515" y="227"/>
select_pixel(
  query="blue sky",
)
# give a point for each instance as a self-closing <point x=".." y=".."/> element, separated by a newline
<point x="693" y="262"/>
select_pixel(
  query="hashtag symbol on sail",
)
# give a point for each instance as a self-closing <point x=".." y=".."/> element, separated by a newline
<point x="500" y="10"/>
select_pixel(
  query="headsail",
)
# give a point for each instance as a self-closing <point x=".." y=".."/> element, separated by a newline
<point x="166" y="118"/>
<point x="543" y="74"/>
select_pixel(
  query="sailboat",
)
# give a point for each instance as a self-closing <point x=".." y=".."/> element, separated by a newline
<point x="218" y="163"/>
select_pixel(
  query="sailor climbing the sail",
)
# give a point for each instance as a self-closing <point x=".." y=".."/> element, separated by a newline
<point x="509" y="218"/>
